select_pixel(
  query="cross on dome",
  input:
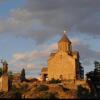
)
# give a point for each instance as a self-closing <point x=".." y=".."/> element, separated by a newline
<point x="64" y="37"/>
<point x="65" y="32"/>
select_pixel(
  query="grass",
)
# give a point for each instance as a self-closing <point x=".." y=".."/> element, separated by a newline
<point x="47" y="95"/>
<point x="42" y="88"/>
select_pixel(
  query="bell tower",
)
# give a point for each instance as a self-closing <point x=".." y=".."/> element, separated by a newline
<point x="64" y="44"/>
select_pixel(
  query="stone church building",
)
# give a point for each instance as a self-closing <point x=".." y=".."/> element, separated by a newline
<point x="64" y="63"/>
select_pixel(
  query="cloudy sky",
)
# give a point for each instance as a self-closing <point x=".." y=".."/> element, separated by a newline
<point x="30" y="30"/>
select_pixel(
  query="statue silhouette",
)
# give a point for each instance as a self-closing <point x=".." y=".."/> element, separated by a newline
<point x="5" y="67"/>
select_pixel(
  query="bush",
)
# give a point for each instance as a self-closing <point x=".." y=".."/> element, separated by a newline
<point x="42" y="88"/>
<point x="6" y="95"/>
<point x="16" y="92"/>
<point x="0" y="72"/>
<point x="10" y="74"/>
<point x="47" y="95"/>
<point x="24" y="87"/>
<point x="83" y="92"/>
<point x="54" y="81"/>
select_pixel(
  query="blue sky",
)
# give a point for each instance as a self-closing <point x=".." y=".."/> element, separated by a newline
<point x="30" y="30"/>
<point x="7" y="5"/>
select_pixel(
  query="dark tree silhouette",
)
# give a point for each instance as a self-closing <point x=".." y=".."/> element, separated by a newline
<point x="81" y="70"/>
<point x="22" y="77"/>
<point x="0" y="71"/>
<point x="5" y="67"/>
<point x="94" y="78"/>
<point x="97" y="65"/>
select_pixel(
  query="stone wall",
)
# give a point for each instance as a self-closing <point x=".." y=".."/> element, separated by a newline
<point x="63" y="65"/>
<point x="4" y="83"/>
<point x="0" y="83"/>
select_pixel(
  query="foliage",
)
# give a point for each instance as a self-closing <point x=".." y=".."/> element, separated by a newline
<point x="22" y="75"/>
<point x="47" y="95"/>
<point x="17" y="92"/>
<point x="24" y="87"/>
<point x="7" y="95"/>
<point x="83" y="92"/>
<point x="42" y="88"/>
<point x="97" y="64"/>
<point x="0" y="71"/>
<point x="10" y="74"/>
<point x="54" y="81"/>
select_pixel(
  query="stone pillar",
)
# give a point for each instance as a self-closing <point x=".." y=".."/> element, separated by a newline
<point x="4" y="77"/>
<point x="5" y="83"/>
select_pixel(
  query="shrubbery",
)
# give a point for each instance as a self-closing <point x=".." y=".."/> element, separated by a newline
<point x="83" y="92"/>
<point x="42" y="88"/>
<point x="54" y="81"/>
<point x="0" y="72"/>
<point x="6" y="95"/>
<point x="47" y="95"/>
<point x="17" y="92"/>
<point x="24" y="87"/>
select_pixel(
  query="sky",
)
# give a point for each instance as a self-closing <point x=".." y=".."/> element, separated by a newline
<point x="30" y="30"/>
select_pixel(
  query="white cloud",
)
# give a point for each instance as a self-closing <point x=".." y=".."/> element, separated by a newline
<point x="44" y="20"/>
<point x="87" y="54"/>
<point x="33" y="60"/>
<point x="20" y="22"/>
<point x="30" y="66"/>
<point x="29" y="56"/>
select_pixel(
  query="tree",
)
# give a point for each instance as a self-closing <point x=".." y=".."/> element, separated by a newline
<point x="97" y="65"/>
<point x="10" y="74"/>
<point x="81" y="71"/>
<point x="23" y="75"/>
<point x="0" y="71"/>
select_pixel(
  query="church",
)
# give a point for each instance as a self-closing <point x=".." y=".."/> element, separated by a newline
<point x="64" y="63"/>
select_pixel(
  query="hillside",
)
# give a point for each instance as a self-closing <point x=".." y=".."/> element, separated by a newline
<point x="45" y="90"/>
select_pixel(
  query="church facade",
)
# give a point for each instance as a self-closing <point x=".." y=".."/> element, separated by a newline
<point x="64" y="63"/>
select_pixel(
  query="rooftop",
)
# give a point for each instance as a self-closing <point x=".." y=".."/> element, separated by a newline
<point x="65" y="39"/>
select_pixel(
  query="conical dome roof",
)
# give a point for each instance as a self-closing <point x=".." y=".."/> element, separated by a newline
<point x="64" y="39"/>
